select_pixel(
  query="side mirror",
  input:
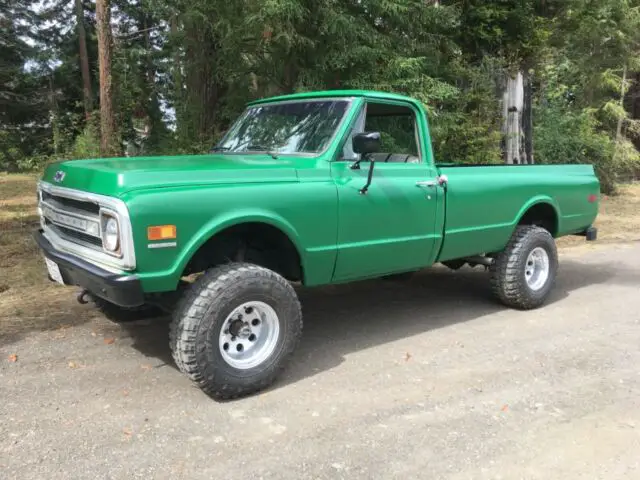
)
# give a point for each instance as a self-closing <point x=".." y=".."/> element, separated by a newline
<point x="366" y="142"/>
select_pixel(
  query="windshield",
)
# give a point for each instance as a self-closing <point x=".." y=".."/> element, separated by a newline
<point x="295" y="127"/>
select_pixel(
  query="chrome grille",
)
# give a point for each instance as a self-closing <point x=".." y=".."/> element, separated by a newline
<point x="71" y="220"/>
<point x="75" y="236"/>
<point x="70" y="204"/>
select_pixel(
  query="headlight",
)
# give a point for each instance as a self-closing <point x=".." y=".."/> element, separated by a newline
<point x="110" y="234"/>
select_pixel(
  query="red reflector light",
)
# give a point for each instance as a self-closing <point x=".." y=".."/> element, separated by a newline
<point x="592" y="198"/>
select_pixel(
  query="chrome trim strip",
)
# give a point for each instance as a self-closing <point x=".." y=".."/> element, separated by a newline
<point x="128" y="260"/>
<point x="162" y="245"/>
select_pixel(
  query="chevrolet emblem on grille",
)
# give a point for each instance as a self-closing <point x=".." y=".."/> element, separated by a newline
<point x="59" y="176"/>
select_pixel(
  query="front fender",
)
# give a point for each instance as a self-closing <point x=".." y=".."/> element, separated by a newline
<point x="226" y="220"/>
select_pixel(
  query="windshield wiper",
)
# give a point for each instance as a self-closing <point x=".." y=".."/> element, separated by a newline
<point x="260" y="148"/>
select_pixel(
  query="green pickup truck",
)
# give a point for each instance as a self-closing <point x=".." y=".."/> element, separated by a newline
<point x="312" y="189"/>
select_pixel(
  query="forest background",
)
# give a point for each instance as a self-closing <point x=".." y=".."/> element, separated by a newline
<point x="516" y="81"/>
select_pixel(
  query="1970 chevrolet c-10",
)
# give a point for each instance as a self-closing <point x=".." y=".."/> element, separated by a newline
<point x="312" y="188"/>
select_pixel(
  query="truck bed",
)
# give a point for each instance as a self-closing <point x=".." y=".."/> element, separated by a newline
<point x="485" y="202"/>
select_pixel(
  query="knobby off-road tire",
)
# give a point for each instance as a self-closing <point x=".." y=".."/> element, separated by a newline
<point x="513" y="273"/>
<point x="118" y="314"/>
<point x="216" y="302"/>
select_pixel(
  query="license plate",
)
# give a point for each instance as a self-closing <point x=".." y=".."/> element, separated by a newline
<point x="54" y="271"/>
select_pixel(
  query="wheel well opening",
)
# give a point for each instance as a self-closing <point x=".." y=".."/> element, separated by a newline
<point x="257" y="243"/>
<point x="542" y="215"/>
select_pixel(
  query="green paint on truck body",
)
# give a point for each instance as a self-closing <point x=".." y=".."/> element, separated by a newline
<point x="313" y="198"/>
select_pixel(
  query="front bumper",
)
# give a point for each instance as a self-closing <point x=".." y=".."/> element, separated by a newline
<point x="123" y="290"/>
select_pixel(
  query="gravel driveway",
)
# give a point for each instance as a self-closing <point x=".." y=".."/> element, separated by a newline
<point x="426" y="379"/>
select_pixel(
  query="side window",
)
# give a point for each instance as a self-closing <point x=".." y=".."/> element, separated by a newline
<point x="358" y="127"/>
<point x="398" y="132"/>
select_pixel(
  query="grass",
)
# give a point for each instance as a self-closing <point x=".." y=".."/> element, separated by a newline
<point x="618" y="220"/>
<point x="29" y="301"/>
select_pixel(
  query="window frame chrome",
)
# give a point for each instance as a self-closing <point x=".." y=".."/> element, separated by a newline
<point x="113" y="206"/>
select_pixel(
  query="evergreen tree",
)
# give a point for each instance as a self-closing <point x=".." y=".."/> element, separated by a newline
<point x="170" y="75"/>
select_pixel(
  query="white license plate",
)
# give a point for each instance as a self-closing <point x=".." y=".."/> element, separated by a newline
<point x="54" y="271"/>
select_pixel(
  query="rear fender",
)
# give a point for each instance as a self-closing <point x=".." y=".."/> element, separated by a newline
<point x="537" y="200"/>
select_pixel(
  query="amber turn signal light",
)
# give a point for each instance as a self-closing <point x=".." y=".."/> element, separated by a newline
<point x="161" y="232"/>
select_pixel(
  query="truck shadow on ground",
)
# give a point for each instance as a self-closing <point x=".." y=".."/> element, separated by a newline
<point x="340" y="320"/>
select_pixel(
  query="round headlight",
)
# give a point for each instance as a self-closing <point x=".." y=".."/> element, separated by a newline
<point x="110" y="236"/>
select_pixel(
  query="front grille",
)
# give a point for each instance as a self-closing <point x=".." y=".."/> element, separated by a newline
<point x="75" y="236"/>
<point x="70" y="204"/>
<point x="71" y="220"/>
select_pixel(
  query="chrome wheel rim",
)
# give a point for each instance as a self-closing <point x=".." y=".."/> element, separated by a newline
<point x="536" y="272"/>
<point x="249" y="335"/>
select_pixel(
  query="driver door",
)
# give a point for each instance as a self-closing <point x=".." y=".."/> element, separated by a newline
<point x="393" y="227"/>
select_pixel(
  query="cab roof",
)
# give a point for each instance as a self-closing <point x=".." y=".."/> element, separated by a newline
<point x="336" y="93"/>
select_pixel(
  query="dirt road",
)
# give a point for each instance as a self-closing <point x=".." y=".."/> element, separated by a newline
<point x="428" y="379"/>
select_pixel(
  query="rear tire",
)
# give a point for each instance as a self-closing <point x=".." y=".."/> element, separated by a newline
<point x="236" y="329"/>
<point x="524" y="273"/>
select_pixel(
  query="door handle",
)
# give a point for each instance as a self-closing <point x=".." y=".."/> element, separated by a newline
<point x="427" y="183"/>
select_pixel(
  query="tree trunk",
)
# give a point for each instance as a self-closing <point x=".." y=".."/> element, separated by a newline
<point x="527" y="119"/>
<point x="201" y="120"/>
<point x="84" y="60"/>
<point x="176" y="73"/>
<point x="108" y="138"/>
<point x="150" y="90"/>
<point x="513" y="105"/>
<point x="53" y="116"/>
<point x="622" y="95"/>
<point x="619" y="137"/>
<point x="635" y="97"/>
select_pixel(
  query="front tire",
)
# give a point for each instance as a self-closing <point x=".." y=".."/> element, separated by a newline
<point x="236" y="329"/>
<point x="523" y="274"/>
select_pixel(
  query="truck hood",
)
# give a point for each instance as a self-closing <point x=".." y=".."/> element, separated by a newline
<point x="116" y="176"/>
